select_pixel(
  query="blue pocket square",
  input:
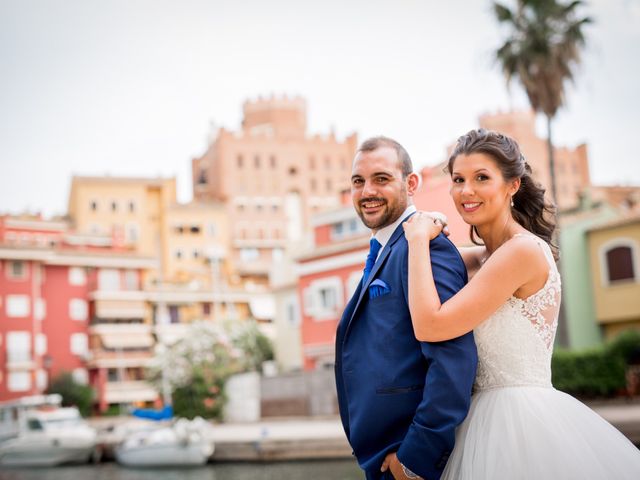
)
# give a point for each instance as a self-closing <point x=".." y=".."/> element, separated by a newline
<point x="377" y="288"/>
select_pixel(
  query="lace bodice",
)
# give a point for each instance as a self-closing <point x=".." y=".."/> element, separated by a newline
<point x="516" y="342"/>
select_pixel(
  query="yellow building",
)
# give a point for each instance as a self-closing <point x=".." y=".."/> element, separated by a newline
<point x="614" y="250"/>
<point x="132" y="210"/>
<point x="198" y="244"/>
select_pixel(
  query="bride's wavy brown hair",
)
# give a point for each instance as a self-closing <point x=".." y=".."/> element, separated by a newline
<point x="530" y="209"/>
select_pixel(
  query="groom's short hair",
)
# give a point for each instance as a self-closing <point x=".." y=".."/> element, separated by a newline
<point x="373" y="143"/>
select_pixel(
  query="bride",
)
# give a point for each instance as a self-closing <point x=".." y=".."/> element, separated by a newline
<point x="519" y="426"/>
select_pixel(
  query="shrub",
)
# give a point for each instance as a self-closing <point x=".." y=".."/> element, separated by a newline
<point x="73" y="394"/>
<point x="596" y="372"/>
<point x="588" y="373"/>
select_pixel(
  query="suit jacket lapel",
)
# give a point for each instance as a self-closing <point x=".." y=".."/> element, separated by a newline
<point x="398" y="232"/>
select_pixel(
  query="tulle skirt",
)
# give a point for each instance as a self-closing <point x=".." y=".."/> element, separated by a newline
<point x="538" y="433"/>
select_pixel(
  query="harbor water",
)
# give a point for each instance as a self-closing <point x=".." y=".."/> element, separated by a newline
<point x="307" y="470"/>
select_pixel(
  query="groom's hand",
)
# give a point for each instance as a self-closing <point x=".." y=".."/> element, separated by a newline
<point x="392" y="464"/>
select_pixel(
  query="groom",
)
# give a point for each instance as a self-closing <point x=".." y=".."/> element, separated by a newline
<point x="400" y="400"/>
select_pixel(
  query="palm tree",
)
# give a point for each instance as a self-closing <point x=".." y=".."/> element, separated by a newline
<point x="542" y="51"/>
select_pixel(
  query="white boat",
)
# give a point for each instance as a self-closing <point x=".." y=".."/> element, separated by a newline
<point x="181" y="443"/>
<point x="36" y="431"/>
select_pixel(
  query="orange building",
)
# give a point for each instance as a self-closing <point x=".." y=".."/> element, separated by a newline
<point x="272" y="176"/>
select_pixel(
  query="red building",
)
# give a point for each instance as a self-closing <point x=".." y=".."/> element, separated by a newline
<point x="47" y="282"/>
<point x="328" y="276"/>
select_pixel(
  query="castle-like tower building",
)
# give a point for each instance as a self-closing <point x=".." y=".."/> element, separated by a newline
<point x="272" y="176"/>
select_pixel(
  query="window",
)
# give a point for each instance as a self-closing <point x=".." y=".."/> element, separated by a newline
<point x="292" y="313"/>
<point x="328" y="298"/>
<point x="132" y="206"/>
<point x="132" y="233"/>
<point x="249" y="254"/>
<point x="293" y="171"/>
<point x="130" y="280"/>
<point x="18" y="306"/>
<point x="620" y="264"/>
<point x="77" y="276"/>
<point x="194" y="229"/>
<point x="80" y="375"/>
<point x="78" y="344"/>
<point x="41" y="344"/>
<point x="19" y="381"/>
<point x="323" y="298"/>
<point x="18" y="347"/>
<point x="256" y="161"/>
<point x="17" y="270"/>
<point x="312" y="162"/>
<point x="40" y="309"/>
<point x="108" y="279"/>
<point x="42" y="379"/>
<point x="93" y="205"/>
<point x="619" y="261"/>
<point x="113" y="375"/>
<point x="277" y="254"/>
<point x="272" y="161"/>
<point x="178" y="254"/>
<point x="174" y="314"/>
<point x="114" y="206"/>
<point x="202" y="178"/>
<point x="78" y="309"/>
<point x="314" y="185"/>
<point x="239" y="161"/>
<point x="196" y="254"/>
<point x="328" y="184"/>
<point x="211" y="230"/>
<point x="327" y="162"/>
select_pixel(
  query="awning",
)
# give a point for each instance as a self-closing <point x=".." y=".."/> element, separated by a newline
<point x="114" y="309"/>
<point x="127" y="340"/>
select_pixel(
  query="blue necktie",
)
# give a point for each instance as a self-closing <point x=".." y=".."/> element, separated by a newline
<point x="374" y="248"/>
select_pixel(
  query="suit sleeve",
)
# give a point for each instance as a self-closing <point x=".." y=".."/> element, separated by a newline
<point x="449" y="378"/>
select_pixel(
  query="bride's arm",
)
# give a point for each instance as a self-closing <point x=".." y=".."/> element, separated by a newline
<point x="494" y="283"/>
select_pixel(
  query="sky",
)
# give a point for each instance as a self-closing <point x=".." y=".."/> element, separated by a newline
<point x="136" y="87"/>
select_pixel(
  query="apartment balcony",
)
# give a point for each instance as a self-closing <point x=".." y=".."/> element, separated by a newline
<point x="120" y="358"/>
<point x="129" y="392"/>
<point x="114" y="305"/>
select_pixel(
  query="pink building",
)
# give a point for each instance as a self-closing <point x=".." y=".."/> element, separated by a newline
<point x="272" y="177"/>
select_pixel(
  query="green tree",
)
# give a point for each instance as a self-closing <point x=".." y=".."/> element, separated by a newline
<point x="73" y="394"/>
<point x="542" y="51"/>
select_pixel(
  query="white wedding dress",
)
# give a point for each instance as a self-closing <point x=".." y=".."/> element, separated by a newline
<point x="519" y="426"/>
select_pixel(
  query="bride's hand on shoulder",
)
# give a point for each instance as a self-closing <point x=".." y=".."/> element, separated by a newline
<point x="423" y="225"/>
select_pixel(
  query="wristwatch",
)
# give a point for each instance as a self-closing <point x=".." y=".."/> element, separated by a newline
<point x="408" y="473"/>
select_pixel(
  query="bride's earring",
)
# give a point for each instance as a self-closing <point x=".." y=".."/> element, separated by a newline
<point x="512" y="205"/>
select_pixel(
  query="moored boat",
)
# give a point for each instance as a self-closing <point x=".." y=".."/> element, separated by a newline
<point x="36" y="431"/>
<point x="181" y="443"/>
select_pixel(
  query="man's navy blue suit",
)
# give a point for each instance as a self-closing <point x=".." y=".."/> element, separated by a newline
<point x="395" y="393"/>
